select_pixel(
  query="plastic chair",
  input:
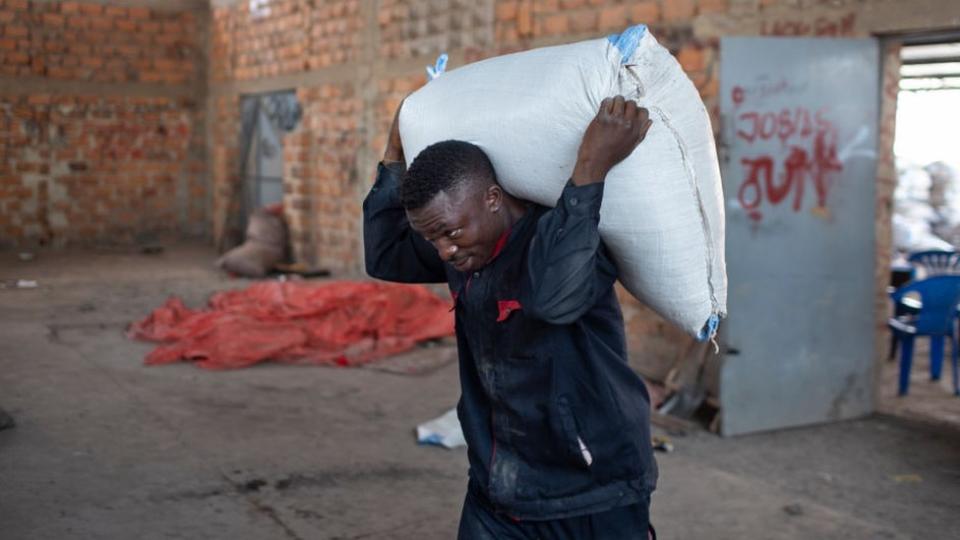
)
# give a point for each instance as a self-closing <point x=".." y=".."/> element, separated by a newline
<point x="936" y="262"/>
<point x="931" y="263"/>
<point x="902" y="306"/>
<point x="939" y="296"/>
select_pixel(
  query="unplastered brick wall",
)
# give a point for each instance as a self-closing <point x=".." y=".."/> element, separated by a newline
<point x="331" y="126"/>
<point x="285" y="37"/>
<point x="101" y="122"/>
<point x="374" y="52"/>
<point x="97" y="42"/>
<point x="89" y="169"/>
<point x="425" y="27"/>
<point x="224" y="160"/>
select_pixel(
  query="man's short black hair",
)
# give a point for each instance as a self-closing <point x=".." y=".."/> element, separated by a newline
<point x="443" y="166"/>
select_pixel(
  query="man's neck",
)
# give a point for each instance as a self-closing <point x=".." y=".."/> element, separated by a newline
<point x="515" y="209"/>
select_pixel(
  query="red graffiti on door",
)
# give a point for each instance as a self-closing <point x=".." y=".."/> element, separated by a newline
<point x="806" y="154"/>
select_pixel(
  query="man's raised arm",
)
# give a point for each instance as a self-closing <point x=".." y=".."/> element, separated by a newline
<point x="392" y="250"/>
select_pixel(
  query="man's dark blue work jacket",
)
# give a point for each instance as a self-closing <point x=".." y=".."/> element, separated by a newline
<point x="556" y="423"/>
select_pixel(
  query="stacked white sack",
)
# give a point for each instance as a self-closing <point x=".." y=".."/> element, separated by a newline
<point x="662" y="212"/>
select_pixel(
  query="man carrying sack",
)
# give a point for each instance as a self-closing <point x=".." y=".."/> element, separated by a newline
<point x="556" y="423"/>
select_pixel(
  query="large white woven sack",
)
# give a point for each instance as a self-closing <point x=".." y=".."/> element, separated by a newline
<point x="662" y="211"/>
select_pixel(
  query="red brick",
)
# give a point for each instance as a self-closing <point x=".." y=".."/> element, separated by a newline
<point x="7" y="16"/>
<point x="675" y="10"/>
<point x="18" y="58"/>
<point x="103" y="24"/>
<point x="613" y="18"/>
<point x="712" y="6"/>
<point x="138" y="13"/>
<point x="507" y="10"/>
<point x="645" y="12"/>
<point x="69" y="7"/>
<point x="92" y="61"/>
<point x="20" y="5"/>
<point x="173" y="27"/>
<point x="53" y="19"/>
<point x="16" y="31"/>
<point x="8" y="44"/>
<point x="91" y="9"/>
<point x="524" y="19"/>
<point x="556" y="24"/>
<point x="116" y="11"/>
<point x="57" y="72"/>
<point x="149" y="27"/>
<point x="127" y="50"/>
<point x="583" y="22"/>
<point x="691" y="58"/>
<point x="541" y="7"/>
<point x="78" y="22"/>
<point x="125" y="25"/>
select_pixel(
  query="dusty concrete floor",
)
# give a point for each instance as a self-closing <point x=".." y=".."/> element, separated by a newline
<point x="925" y="398"/>
<point x="107" y="448"/>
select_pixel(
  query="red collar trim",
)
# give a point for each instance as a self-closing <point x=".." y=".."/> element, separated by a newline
<point x="501" y="243"/>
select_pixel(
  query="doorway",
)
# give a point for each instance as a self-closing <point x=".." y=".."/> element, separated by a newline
<point x="265" y="118"/>
<point x="926" y="208"/>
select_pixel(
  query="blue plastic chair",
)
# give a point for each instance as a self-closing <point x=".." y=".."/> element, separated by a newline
<point x="930" y="263"/>
<point x="936" y="262"/>
<point x="939" y="297"/>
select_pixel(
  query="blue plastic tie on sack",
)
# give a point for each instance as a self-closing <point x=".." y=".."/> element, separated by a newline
<point x="709" y="330"/>
<point x="628" y="41"/>
<point x="437" y="70"/>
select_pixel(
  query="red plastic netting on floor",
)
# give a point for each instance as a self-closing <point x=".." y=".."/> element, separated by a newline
<point x="341" y="323"/>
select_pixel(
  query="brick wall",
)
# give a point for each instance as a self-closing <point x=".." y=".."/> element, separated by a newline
<point x="96" y="42"/>
<point x="80" y="169"/>
<point x="101" y="131"/>
<point x="224" y="159"/>
<point x="295" y="36"/>
<point x="371" y="53"/>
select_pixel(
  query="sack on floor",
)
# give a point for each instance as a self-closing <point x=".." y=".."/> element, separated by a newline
<point x="264" y="248"/>
<point x="662" y="213"/>
<point x="253" y="259"/>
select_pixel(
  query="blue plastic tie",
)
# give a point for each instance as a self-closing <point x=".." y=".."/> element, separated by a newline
<point x="628" y="41"/>
<point x="437" y="70"/>
<point x="709" y="330"/>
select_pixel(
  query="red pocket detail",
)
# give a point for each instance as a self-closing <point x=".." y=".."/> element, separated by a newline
<point x="454" y="294"/>
<point x="505" y="308"/>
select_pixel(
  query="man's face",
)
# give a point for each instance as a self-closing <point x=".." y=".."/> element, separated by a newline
<point x="462" y="225"/>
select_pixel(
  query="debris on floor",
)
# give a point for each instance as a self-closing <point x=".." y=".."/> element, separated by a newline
<point x="342" y="323"/>
<point x="794" y="509"/>
<point x="442" y="431"/>
<point x="6" y="421"/>
<point x="19" y="284"/>
<point x="662" y="444"/>
<point x="906" y="478"/>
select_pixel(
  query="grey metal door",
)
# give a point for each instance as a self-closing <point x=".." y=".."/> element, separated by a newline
<point x="264" y="170"/>
<point x="267" y="171"/>
<point x="798" y="149"/>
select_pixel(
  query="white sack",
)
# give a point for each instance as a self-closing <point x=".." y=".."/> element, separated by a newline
<point x="662" y="213"/>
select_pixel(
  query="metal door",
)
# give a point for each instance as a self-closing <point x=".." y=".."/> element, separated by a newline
<point x="798" y="149"/>
<point x="264" y="166"/>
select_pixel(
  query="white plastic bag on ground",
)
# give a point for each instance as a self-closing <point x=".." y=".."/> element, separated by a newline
<point x="443" y="431"/>
<point x="662" y="213"/>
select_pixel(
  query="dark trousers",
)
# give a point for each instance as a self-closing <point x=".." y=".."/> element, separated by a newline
<point x="479" y="522"/>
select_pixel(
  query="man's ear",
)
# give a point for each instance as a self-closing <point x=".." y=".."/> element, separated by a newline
<point x="494" y="198"/>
